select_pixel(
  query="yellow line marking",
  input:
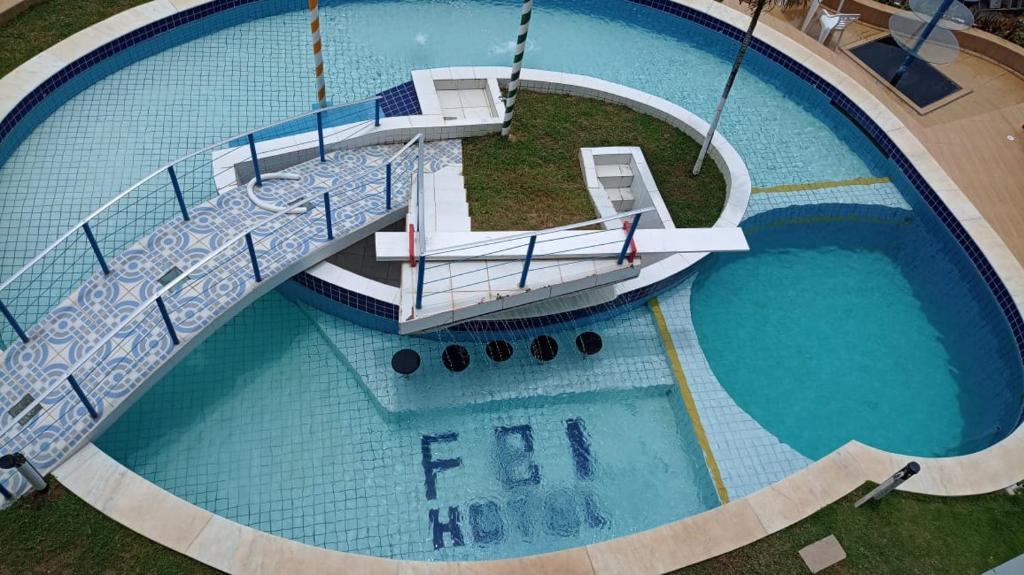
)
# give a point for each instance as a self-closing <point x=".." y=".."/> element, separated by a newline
<point x="691" y="407"/>
<point x="820" y="185"/>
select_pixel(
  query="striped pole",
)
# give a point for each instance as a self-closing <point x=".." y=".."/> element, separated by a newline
<point x="318" y="59"/>
<point x="517" y="66"/>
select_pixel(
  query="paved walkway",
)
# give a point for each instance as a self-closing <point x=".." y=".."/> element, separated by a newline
<point x="41" y="415"/>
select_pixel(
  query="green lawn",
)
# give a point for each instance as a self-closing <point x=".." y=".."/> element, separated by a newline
<point x="535" y="181"/>
<point x="903" y="534"/>
<point x="56" y="532"/>
<point x="42" y="26"/>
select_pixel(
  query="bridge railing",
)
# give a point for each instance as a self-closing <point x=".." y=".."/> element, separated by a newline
<point x="132" y="351"/>
<point x="167" y="193"/>
<point x="583" y="236"/>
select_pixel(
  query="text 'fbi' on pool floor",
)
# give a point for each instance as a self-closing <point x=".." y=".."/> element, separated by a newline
<point x="529" y="508"/>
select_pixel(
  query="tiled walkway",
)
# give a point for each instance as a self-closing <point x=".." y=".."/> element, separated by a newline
<point x="52" y="421"/>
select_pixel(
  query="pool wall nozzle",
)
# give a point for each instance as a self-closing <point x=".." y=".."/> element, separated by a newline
<point x="18" y="462"/>
<point x="909" y="470"/>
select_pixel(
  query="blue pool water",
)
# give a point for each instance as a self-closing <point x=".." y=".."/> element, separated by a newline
<point x="863" y="327"/>
<point x="266" y="425"/>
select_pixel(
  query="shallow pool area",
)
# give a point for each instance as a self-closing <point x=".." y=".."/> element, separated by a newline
<point x="858" y="323"/>
<point x="265" y="424"/>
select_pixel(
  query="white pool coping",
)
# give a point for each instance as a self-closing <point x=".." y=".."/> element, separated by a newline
<point x="154" y="513"/>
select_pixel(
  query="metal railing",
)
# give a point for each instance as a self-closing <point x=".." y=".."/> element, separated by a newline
<point x="153" y="320"/>
<point x="502" y="246"/>
<point x="46" y="279"/>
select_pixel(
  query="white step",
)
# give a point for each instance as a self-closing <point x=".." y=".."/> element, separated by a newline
<point x="614" y="175"/>
<point x="621" y="198"/>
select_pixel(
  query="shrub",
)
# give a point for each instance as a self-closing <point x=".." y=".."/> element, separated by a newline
<point x="1003" y="25"/>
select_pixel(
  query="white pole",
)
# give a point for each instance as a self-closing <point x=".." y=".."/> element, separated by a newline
<point x="517" y="66"/>
<point x="728" y="86"/>
<point x="318" y="60"/>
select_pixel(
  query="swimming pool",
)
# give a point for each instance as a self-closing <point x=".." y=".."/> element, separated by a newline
<point x="301" y="471"/>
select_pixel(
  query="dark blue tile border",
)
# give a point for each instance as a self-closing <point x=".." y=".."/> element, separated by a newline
<point x="402" y="98"/>
<point x="346" y="297"/>
<point x="400" y="101"/>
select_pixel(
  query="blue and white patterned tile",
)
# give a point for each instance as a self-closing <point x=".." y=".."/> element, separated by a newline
<point x="71" y="336"/>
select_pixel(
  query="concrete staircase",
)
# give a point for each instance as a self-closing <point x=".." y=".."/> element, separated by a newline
<point x="617" y="179"/>
<point x="444" y="201"/>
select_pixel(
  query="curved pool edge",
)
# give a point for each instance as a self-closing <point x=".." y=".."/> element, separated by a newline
<point x="166" y="519"/>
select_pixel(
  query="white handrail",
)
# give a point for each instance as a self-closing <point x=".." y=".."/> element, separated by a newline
<point x="135" y="186"/>
<point x="421" y="231"/>
<point x="538" y="233"/>
<point x="407" y="145"/>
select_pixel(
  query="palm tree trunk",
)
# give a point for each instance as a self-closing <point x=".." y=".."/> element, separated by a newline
<point x="728" y="85"/>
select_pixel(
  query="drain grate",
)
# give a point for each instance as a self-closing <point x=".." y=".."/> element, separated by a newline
<point x="297" y="202"/>
<point x="24" y="402"/>
<point x="171" y="275"/>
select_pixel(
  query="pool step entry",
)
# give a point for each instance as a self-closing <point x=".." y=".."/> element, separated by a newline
<point x="615" y="174"/>
<point x="445" y="206"/>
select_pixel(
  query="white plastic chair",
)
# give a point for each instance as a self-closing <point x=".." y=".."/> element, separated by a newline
<point x="834" y="21"/>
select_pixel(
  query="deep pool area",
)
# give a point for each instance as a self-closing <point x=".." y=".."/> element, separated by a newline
<point x="864" y="325"/>
<point x="265" y="424"/>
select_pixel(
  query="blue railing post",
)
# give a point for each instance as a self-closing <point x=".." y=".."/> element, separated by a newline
<point x="629" y="238"/>
<point x="95" y="248"/>
<point x="387" y="186"/>
<point x="252" y="256"/>
<point x="6" y="494"/>
<point x="376" y="112"/>
<point x="327" y="212"/>
<point x="419" y="281"/>
<point x="255" y="160"/>
<point x="14" y="323"/>
<point x="526" y="263"/>
<point x="177" y="192"/>
<point x="320" y="134"/>
<point x="81" y="396"/>
<point x="167" y="320"/>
